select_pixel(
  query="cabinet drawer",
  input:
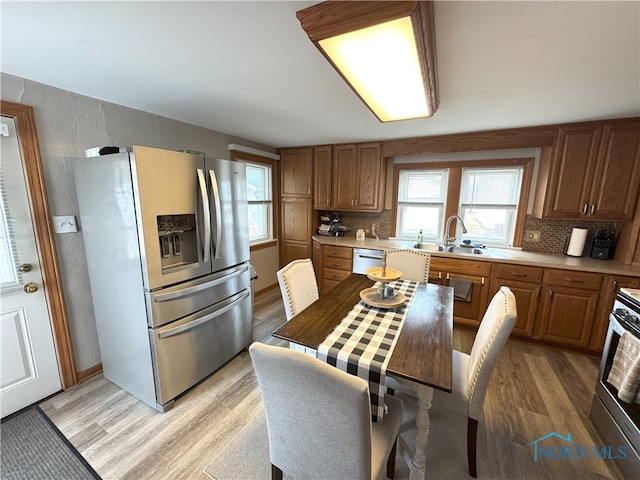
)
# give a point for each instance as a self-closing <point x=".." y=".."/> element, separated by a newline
<point x="337" y="252"/>
<point x="453" y="265"/>
<point x="333" y="274"/>
<point x="337" y="263"/>
<point x="571" y="278"/>
<point x="519" y="272"/>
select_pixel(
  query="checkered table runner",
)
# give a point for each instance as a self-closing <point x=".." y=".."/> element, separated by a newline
<point x="363" y="342"/>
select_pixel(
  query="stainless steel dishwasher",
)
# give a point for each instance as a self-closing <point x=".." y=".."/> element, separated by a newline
<point x="364" y="258"/>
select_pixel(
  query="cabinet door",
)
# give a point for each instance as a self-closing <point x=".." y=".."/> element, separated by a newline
<point x="575" y="154"/>
<point x="470" y="312"/>
<point x="345" y="169"/>
<point x="296" y="229"/>
<point x="613" y="283"/>
<point x="368" y="176"/>
<point x="296" y="166"/>
<point x="527" y="297"/>
<point x="322" y="193"/>
<point x="568" y="315"/>
<point x="317" y="263"/>
<point x="617" y="177"/>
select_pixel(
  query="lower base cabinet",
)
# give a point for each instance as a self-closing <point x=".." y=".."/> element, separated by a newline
<point x="337" y="263"/>
<point x="570" y="304"/>
<point x="465" y="312"/>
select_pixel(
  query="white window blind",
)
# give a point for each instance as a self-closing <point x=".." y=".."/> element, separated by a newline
<point x="9" y="275"/>
<point x="489" y="203"/>
<point x="421" y="202"/>
<point x="260" y="202"/>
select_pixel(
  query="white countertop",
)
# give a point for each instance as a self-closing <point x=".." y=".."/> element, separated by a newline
<point x="514" y="256"/>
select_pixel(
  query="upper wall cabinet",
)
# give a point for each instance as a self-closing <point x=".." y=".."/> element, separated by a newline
<point x="592" y="172"/>
<point x="322" y="181"/>
<point x="296" y="167"/>
<point x="358" y="177"/>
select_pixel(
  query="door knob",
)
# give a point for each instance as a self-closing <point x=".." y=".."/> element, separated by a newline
<point x="25" y="267"/>
<point x="31" y="287"/>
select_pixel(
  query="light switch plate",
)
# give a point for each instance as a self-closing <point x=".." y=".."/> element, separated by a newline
<point x="64" y="224"/>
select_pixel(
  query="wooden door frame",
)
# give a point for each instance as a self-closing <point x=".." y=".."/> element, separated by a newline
<point x="34" y="180"/>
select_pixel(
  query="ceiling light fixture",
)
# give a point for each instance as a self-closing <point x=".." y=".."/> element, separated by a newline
<point x="384" y="50"/>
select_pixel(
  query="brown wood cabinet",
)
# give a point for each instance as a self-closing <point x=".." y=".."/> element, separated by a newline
<point x="443" y="269"/>
<point x="612" y="283"/>
<point x="322" y="177"/>
<point x="592" y="171"/>
<point x="570" y="304"/>
<point x="337" y="264"/>
<point x="296" y="172"/>
<point x="525" y="283"/>
<point x="358" y="177"/>
<point x="296" y="204"/>
<point x="316" y="258"/>
<point x="296" y="229"/>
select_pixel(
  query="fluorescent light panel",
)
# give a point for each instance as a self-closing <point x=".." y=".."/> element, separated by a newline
<point x="381" y="63"/>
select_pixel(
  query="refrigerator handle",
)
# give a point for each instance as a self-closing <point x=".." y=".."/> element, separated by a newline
<point x="194" y="323"/>
<point x="216" y="203"/>
<point x="206" y="242"/>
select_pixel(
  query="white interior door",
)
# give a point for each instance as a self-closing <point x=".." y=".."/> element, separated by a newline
<point x="28" y="364"/>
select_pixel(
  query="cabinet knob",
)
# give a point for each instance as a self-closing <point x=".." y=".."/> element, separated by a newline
<point x="593" y="209"/>
<point x="518" y="274"/>
<point x="573" y="280"/>
<point x="584" y="208"/>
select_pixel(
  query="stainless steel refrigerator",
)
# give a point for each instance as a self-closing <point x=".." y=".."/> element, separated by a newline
<point x="166" y="238"/>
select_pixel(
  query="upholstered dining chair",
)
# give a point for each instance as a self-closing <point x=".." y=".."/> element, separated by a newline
<point x="472" y="372"/>
<point x="413" y="264"/>
<point x="319" y="418"/>
<point x="299" y="289"/>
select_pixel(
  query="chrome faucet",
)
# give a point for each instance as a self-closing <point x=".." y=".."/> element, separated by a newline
<point x="447" y="238"/>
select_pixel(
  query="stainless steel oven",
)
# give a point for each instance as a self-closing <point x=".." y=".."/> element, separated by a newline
<point x="617" y="421"/>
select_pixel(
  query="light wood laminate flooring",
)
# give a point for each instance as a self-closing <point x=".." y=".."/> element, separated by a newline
<point x="534" y="390"/>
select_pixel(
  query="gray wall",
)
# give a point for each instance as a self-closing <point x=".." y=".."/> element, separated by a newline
<point x="67" y="124"/>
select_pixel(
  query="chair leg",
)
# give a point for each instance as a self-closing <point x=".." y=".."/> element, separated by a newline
<point x="391" y="461"/>
<point x="472" y="437"/>
<point x="276" y="473"/>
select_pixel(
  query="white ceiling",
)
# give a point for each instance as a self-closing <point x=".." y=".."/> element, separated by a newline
<point x="248" y="69"/>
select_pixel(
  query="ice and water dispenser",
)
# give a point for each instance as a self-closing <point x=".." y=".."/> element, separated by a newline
<point x="177" y="235"/>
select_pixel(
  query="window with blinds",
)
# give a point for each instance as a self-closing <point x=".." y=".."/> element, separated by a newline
<point x="9" y="275"/>
<point x="421" y="202"/>
<point x="260" y="202"/>
<point x="489" y="203"/>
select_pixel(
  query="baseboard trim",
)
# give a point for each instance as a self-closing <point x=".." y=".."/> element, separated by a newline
<point x="89" y="373"/>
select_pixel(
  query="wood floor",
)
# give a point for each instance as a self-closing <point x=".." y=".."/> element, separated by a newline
<point x="534" y="391"/>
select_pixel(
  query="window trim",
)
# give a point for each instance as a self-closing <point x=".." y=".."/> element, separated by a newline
<point x="454" y="185"/>
<point x="236" y="156"/>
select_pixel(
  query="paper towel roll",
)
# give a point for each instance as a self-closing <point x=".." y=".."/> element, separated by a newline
<point x="576" y="243"/>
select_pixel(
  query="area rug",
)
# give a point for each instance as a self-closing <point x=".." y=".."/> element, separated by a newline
<point x="247" y="455"/>
<point x="32" y="448"/>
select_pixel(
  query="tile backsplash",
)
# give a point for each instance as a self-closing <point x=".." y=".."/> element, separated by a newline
<point x="554" y="234"/>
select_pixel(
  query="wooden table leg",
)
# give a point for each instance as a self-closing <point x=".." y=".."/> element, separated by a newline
<point x="425" y="395"/>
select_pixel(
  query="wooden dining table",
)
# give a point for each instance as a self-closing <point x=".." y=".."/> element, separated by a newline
<point x="421" y="357"/>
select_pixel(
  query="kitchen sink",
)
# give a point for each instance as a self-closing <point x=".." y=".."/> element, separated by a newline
<point x="432" y="247"/>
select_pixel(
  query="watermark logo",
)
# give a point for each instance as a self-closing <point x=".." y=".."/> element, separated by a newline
<point x="556" y="446"/>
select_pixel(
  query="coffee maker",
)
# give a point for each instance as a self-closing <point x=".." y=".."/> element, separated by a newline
<point x="330" y="225"/>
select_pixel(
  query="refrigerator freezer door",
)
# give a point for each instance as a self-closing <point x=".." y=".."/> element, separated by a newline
<point x="229" y="214"/>
<point x="173" y="303"/>
<point x="171" y="205"/>
<point x="186" y="351"/>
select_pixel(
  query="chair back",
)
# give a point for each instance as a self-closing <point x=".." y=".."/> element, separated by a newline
<point x="298" y="286"/>
<point x="413" y="264"/>
<point x="318" y="417"/>
<point x="495" y="328"/>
